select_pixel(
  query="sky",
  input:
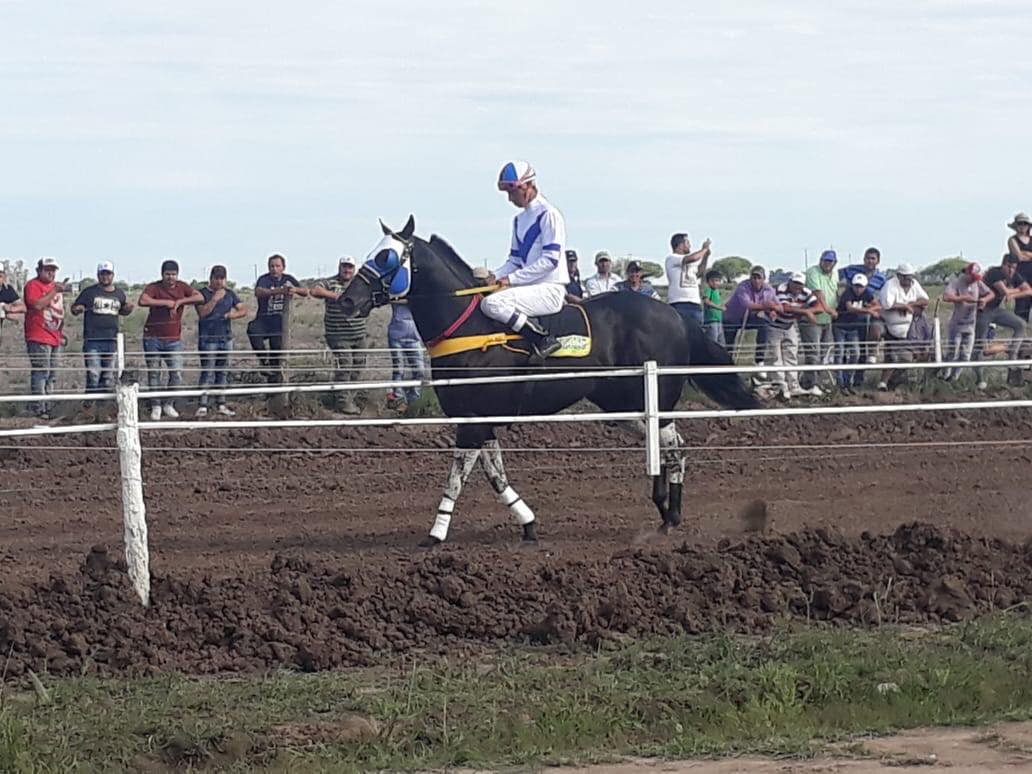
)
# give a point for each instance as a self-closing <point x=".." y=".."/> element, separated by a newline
<point x="222" y="132"/>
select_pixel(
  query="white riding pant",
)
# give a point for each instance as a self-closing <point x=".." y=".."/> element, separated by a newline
<point x="513" y="306"/>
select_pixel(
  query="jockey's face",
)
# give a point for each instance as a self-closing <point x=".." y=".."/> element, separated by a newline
<point x="522" y="195"/>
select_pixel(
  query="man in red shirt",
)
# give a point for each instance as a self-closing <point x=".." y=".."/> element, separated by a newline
<point x="44" y="330"/>
<point x="163" y="331"/>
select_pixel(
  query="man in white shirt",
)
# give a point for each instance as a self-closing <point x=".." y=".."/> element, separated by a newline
<point x="900" y="298"/>
<point x="604" y="280"/>
<point x="535" y="276"/>
<point x="685" y="270"/>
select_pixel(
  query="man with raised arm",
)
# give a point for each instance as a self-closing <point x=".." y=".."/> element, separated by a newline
<point x="535" y="276"/>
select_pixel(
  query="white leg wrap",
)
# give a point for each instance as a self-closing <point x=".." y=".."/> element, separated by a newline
<point x="519" y="509"/>
<point x="670" y="442"/>
<point x="441" y="524"/>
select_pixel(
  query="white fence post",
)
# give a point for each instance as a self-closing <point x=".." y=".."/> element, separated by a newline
<point x="119" y="356"/>
<point x="652" y="456"/>
<point x="937" y="338"/>
<point x="134" y="513"/>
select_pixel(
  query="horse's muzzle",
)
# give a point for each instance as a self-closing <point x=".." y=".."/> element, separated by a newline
<point x="348" y="307"/>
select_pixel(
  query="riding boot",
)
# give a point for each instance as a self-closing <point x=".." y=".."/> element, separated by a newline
<point x="542" y="341"/>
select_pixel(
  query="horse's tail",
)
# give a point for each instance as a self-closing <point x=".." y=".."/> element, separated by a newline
<point x="726" y="389"/>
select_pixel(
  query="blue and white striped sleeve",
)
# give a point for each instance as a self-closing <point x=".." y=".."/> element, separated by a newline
<point x="511" y="263"/>
<point x="553" y="237"/>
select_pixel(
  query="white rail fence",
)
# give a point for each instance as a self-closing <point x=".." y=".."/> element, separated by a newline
<point x="128" y="426"/>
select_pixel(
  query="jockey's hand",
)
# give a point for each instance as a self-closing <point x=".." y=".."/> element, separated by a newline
<point x="503" y="282"/>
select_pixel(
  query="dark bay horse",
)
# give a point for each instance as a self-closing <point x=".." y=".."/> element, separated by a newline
<point x="627" y="329"/>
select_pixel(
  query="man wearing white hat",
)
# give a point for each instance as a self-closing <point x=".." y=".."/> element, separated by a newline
<point x="101" y="304"/>
<point x="345" y="336"/>
<point x="797" y="302"/>
<point x="901" y="298"/>
<point x="535" y="276"/>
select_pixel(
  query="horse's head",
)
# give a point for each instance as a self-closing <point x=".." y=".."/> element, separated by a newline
<point x="385" y="274"/>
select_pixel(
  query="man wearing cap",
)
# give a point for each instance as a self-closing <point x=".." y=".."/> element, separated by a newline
<point x="817" y="340"/>
<point x="748" y="309"/>
<point x="604" y="280"/>
<point x="856" y="306"/>
<point x="574" y="289"/>
<point x="968" y="293"/>
<point x="163" y="333"/>
<point x="44" y="330"/>
<point x="1006" y="283"/>
<point x="796" y="302"/>
<point x="876" y="280"/>
<point x="1020" y="245"/>
<point x="685" y="270"/>
<point x="636" y="283"/>
<point x="345" y="336"/>
<point x="901" y="298"/>
<point x="533" y="279"/>
<point x="101" y="305"/>
<point x="221" y="305"/>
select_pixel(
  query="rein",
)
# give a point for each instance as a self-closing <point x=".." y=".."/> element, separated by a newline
<point x="450" y="330"/>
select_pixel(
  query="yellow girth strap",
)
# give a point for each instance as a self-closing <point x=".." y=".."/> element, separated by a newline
<point x="482" y="342"/>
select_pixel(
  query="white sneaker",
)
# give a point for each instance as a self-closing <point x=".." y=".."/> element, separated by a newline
<point x="170" y="411"/>
<point x="815" y="391"/>
<point x="982" y="386"/>
<point x="883" y="386"/>
<point x="871" y="360"/>
<point x="202" y="412"/>
<point x="226" y="411"/>
<point x="155" y="413"/>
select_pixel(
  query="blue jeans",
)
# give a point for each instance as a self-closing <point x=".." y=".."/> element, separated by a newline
<point x="214" y="352"/>
<point x="44" y="359"/>
<point x="847" y="346"/>
<point x="752" y="323"/>
<point x="715" y="330"/>
<point x="98" y="356"/>
<point x="156" y="352"/>
<point x="407" y="360"/>
<point x="688" y="310"/>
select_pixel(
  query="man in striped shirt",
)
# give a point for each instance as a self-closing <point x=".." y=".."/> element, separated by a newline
<point x="797" y="302"/>
<point x="346" y="337"/>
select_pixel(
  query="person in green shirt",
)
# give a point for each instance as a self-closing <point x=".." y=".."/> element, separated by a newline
<point x="817" y="338"/>
<point x="713" y="314"/>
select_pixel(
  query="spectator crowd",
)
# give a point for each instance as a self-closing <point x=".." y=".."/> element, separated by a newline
<point x="40" y="307"/>
<point x="825" y="315"/>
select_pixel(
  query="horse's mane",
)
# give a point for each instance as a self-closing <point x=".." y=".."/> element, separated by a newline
<point x="459" y="268"/>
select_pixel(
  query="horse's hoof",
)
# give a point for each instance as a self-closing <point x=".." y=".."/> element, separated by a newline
<point x="430" y="542"/>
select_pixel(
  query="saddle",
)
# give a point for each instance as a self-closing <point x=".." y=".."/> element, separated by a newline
<point x="570" y="326"/>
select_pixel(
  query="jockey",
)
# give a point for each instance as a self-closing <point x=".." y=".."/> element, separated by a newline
<point x="535" y="276"/>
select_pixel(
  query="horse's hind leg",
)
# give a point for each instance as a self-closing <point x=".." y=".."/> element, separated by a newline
<point x="673" y="466"/>
<point x="494" y="469"/>
<point x="463" y="461"/>
<point x="661" y="492"/>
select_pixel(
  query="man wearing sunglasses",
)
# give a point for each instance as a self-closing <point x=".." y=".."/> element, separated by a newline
<point x="535" y="276"/>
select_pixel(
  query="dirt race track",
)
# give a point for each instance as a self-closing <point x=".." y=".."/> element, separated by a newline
<point x="305" y="558"/>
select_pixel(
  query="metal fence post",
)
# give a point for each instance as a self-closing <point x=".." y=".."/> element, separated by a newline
<point x="134" y="512"/>
<point x="652" y="455"/>
<point x="937" y="338"/>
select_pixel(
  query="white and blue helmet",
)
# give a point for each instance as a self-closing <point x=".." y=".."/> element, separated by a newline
<point x="514" y="174"/>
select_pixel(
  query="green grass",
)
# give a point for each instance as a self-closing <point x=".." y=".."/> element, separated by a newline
<point x="788" y="694"/>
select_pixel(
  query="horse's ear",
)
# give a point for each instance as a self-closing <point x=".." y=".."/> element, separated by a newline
<point x="386" y="229"/>
<point x="410" y="228"/>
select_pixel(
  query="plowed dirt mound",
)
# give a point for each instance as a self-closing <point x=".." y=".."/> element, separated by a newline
<point x="316" y="616"/>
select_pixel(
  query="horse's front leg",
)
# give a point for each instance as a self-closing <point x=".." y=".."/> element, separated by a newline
<point x="463" y="461"/>
<point x="494" y="469"/>
<point x="673" y="467"/>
